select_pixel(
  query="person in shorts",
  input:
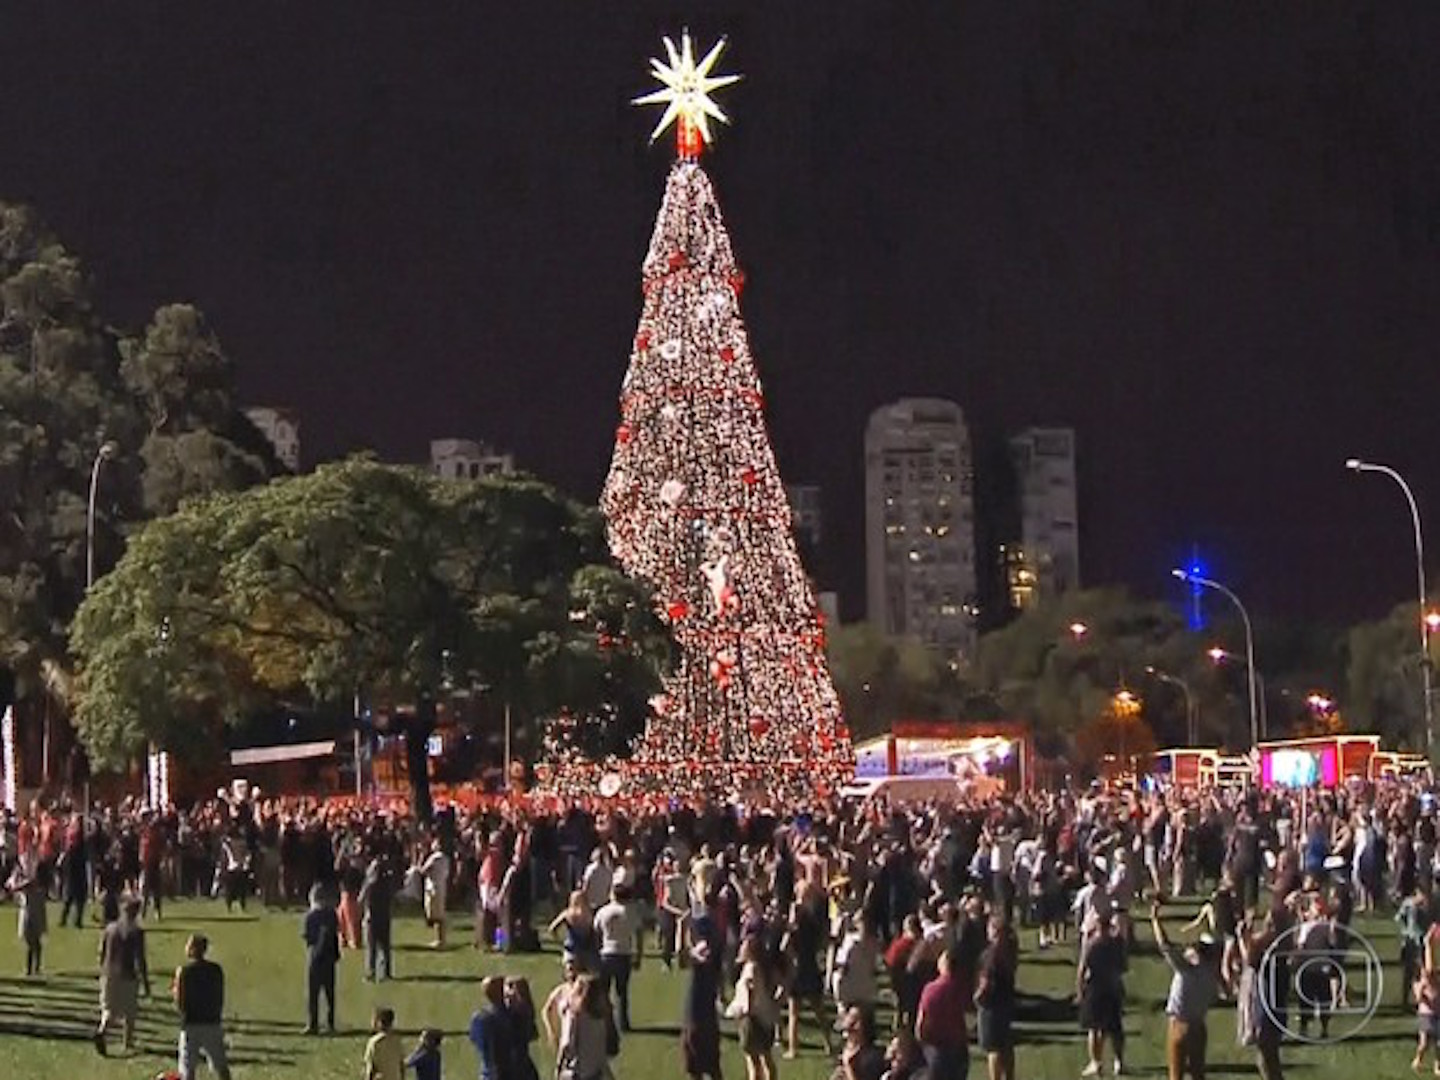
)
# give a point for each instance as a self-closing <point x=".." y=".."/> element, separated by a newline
<point x="123" y="972"/>
<point x="199" y="993"/>
<point x="1100" y="990"/>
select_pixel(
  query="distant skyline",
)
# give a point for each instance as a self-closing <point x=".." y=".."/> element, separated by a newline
<point x="1207" y="238"/>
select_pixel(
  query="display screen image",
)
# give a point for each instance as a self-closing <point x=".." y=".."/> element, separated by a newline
<point x="1299" y="767"/>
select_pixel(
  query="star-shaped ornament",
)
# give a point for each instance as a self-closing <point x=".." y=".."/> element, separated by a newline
<point x="685" y="92"/>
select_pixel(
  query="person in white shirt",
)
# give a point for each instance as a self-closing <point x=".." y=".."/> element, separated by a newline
<point x="1002" y="864"/>
<point x="672" y="908"/>
<point x="756" y="1008"/>
<point x="599" y="878"/>
<point x="854" y="980"/>
<point x="435" y="871"/>
<point x="617" y="923"/>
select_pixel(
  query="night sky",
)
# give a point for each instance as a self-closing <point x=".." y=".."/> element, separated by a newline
<point x="1205" y="235"/>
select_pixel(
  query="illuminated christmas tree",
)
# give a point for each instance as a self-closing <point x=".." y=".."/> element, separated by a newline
<point x="696" y="507"/>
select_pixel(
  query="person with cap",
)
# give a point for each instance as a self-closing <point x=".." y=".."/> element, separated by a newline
<point x="321" y="933"/>
<point x="123" y="974"/>
<point x="1194" y="987"/>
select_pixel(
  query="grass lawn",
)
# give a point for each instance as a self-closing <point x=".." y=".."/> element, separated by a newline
<point x="45" y="1024"/>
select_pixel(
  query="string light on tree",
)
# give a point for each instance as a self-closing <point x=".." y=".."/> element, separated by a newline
<point x="7" y="758"/>
<point x="695" y="505"/>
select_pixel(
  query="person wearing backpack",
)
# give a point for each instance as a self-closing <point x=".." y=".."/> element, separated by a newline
<point x="321" y="933"/>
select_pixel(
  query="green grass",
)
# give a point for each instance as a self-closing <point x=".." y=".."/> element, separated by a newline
<point x="45" y="1025"/>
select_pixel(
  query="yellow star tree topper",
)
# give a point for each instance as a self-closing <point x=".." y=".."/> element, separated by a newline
<point x="685" y="92"/>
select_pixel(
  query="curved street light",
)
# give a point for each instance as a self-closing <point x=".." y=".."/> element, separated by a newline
<point x="1357" y="465"/>
<point x="1192" y="717"/>
<point x="107" y="452"/>
<point x="1208" y="583"/>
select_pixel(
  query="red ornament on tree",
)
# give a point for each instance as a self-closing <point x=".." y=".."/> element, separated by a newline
<point x="622" y="434"/>
<point x="677" y="610"/>
<point x="642" y="341"/>
<point x="749" y="476"/>
<point x="737" y="282"/>
<point x="759" y="726"/>
<point x="727" y="354"/>
<point x="676" y="260"/>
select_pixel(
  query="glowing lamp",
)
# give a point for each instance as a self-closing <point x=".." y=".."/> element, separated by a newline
<point x="1432" y="621"/>
<point x="1078" y="629"/>
<point x="1216" y="654"/>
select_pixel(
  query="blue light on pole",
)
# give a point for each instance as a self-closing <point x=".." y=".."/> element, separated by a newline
<point x="1195" y="612"/>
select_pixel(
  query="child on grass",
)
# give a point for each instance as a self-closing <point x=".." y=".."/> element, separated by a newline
<point x="1427" y="1018"/>
<point x="425" y="1058"/>
<point x="384" y="1059"/>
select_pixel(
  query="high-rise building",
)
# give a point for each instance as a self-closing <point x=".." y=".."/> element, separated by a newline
<point x="281" y="428"/>
<point x="460" y="459"/>
<point x="805" y="513"/>
<point x="1043" y="559"/>
<point x="920" y="524"/>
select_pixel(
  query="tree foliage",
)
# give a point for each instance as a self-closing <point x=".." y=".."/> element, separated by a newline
<point x="359" y="577"/>
<point x="68" y="385"/>
<point x="1383" y="687"/>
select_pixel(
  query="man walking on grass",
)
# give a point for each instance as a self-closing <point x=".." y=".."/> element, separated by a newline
<point x="123" y="973"/>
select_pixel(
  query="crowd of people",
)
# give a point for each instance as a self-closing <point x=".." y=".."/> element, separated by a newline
<point x="894" y="932"/>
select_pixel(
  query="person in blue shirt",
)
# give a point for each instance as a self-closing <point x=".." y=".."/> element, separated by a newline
<point x="425" y="1058"/>
<point x="490" y="1032"/>
<point x="321" y="931"/>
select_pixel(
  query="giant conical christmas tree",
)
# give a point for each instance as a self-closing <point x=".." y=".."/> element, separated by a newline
<point x="696" y="507"/>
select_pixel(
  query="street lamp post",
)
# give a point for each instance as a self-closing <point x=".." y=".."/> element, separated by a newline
<point x="1208" y="583"/>
<point x="1356" y="465"/>
<point x="1219" y="655"/>
<point x="1192" y="715"/>
<point x="107" y="451"/>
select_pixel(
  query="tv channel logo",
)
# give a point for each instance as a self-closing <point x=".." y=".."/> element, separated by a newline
<point x="1324" y="991"/>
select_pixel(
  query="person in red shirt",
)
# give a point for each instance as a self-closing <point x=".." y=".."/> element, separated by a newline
<point x="897" y="964"/>
<point x="940" y="1023"/>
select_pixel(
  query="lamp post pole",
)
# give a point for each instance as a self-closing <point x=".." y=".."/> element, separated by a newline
<point x="1192" y="715"/>
<point x="1208" y="583"/>
<point x="1356" y="465"/>
<point x="105" y="453"/>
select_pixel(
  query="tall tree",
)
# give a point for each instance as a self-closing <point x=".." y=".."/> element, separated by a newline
<point x="61" y="398"/>
<point x="196" y="440"/>
<point x="359" y="577"/>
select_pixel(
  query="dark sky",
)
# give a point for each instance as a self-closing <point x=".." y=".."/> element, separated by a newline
<point x="1205" y="235"/>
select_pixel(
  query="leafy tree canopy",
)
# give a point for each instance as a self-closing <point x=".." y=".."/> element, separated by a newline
<point x="357" y="577"/>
